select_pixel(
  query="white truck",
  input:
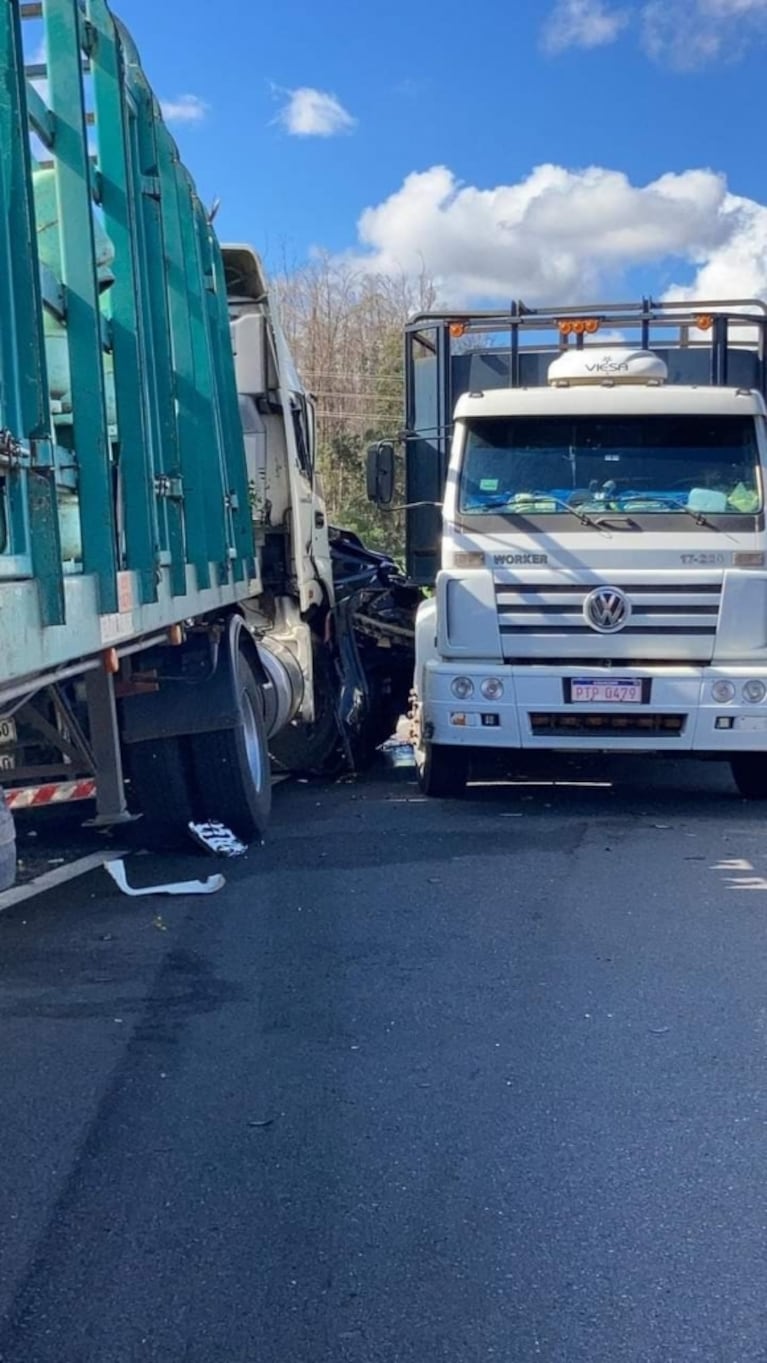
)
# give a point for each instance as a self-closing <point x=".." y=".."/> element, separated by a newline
<point x="602" y="574"/>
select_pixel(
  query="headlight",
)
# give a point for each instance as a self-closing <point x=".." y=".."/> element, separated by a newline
<point x="492" y="688"/>
<point x="723" y="692"/>
<point x="462" y="687"/>
<point x="754" y="691"/>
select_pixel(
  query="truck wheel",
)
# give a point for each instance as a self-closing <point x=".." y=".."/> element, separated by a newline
<point x="442" y="770"/>
<point x="7" y="846"/>
<point x="749" y="772"/>
<point x="163" y="782"/>
<point x="313" y="749"/>
<point x="232" y="765"/>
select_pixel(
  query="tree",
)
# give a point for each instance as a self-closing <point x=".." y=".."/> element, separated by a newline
<point x="344" y="326"/>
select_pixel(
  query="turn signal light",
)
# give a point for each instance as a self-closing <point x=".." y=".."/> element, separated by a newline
<point x="704" y="322"/>
<point x="457" y="329"/>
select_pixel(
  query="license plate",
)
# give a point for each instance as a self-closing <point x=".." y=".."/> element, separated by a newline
<point x="752" y="724"/>
<point x="7" y="761"/>
<point x="7" y="731"/>
<point x="618" y="691"/>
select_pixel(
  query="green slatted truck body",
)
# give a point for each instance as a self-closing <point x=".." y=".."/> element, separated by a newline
<point x="124" y="487"/>
<point x="131" y="629"/>
<point x="172" y="599"/>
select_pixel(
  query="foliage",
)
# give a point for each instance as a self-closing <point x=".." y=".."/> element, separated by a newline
<point x="345" y="328"/>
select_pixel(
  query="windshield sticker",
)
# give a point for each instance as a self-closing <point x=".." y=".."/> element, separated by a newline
<point x="488" y="485"/>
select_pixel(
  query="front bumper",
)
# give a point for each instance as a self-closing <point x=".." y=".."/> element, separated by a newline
<point x="680" y="713"/>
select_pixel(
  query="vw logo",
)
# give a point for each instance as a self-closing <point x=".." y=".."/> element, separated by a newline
<point x="606" y="610"/>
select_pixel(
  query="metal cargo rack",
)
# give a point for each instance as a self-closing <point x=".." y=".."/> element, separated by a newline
<point x="452" y="352"/>
<point x="121" y="282"/>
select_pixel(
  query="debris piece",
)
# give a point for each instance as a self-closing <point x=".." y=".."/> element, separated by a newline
<point x="116" y="870"/>
<point x="217" y="838"/>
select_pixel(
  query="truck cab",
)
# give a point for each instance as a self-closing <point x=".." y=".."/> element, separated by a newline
<point x="602" y="574"/>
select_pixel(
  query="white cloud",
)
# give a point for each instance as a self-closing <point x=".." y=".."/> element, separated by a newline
<point x="684" y="34"/>
<point x="689" y="34"/>
<point x="314" y="113"/>
<point x="732" y="8"/>
<point x="556" y="236"/>
<point x="582" y="23"/>
<point x="184" y="109"/>
<point x="738" y="267"/>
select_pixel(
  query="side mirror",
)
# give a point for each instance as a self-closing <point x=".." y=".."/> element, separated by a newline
<point x="380" y="473"/>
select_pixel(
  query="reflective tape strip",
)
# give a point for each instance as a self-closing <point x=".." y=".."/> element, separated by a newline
<point x="56" y="793"/>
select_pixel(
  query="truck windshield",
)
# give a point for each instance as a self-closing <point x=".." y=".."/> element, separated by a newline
<point x="642" y="464"/>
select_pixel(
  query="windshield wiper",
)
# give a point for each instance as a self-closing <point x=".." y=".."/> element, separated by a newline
<point x="578" y="511"/>
<point x="495" y="503"/>
<point x="672" y="504"/>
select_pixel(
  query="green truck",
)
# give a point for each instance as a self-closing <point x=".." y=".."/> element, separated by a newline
<point x="176" y="614"/>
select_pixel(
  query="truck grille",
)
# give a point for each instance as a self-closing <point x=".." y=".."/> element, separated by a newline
<point x="616" y="726"/>
<point x="676" y="620"/>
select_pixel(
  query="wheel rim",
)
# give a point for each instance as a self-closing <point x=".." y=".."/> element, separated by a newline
<point x="252" y="736"/>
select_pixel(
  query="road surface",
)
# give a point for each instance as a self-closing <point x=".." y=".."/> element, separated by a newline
<point x="425" y="1083"/>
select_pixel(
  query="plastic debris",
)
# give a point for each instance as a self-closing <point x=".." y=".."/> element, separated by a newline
<point x="217" y="838"/>
<point x="116" y="870"/>
<point x="398" y="752"/>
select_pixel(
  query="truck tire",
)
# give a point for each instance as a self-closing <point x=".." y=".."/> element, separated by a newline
<point x="232" y="765"/>
<point x="749" y="772"/>
<point x="442" y="771"/>
<point x="162" y="779"/>
<point x="313" y="749"/>
<point x="7" y="846"/>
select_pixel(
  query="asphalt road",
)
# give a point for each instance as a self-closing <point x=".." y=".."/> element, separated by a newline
<point x="425" y="1083"/>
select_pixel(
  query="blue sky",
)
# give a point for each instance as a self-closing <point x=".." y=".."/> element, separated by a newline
<point x="622" y="103"/>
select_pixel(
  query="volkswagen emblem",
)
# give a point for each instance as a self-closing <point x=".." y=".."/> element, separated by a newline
<point x="606" y="610"/>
